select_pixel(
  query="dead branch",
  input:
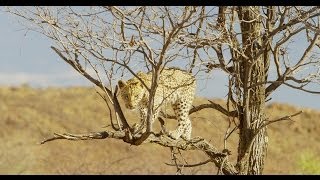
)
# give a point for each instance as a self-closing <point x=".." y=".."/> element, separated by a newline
<point x="98" y="83"/>
<point x="197" y="143"/>
<point x="283" y="118"/>
<point x="301" y="88"/>
<point x="212" y="105"/>
<point x="175" y="160"/>
<point x="190" y="165"/>
<point x="268" y="123"/>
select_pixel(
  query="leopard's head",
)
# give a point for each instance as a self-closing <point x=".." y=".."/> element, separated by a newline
<point x="131" y="92"/>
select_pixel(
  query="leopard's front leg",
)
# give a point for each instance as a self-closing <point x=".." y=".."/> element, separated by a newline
<point x="184" y="127"/>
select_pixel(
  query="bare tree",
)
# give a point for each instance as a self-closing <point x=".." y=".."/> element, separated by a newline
<point x="250" y="44"/>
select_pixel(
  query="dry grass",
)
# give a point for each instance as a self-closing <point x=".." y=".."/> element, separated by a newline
<point x="28" y="115"/>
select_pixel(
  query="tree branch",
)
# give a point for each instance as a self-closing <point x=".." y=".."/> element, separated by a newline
<point x="212" y="105"/>
<point x="198" y="143"/>
<point x="301" y="88"/>
<point x="78" y="68"/>
<point x="98" y="83"/>
<point x="280" y="119"/>
<point x="190" y="165"/>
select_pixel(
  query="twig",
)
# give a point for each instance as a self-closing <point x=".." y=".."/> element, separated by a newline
<point x="175" y="159"/>
<point x="220" y="168"/>
<point x="268" y="123"/>
<point x="281" y="119"/>
<point x="190" y="165"/>
<point x="300" y="88"/>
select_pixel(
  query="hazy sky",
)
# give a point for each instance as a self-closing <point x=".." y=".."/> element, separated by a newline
<point x="29" y="59"/>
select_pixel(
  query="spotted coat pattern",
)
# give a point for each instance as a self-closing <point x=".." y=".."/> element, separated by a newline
<point x="175" y="87"/>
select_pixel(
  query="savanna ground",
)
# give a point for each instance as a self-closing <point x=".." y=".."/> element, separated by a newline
<point x="28" y="115"/>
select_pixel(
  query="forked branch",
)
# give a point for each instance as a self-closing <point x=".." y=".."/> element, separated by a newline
<point x="217" y="157"/>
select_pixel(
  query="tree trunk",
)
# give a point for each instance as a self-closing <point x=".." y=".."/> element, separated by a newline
<point x="252" y="139"/>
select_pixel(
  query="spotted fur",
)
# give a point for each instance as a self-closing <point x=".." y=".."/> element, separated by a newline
<point x="175" y="87"/>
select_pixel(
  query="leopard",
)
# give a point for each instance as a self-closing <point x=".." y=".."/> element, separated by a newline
<point x="175" y="87"/>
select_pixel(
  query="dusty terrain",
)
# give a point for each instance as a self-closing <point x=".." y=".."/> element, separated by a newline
<point x="29" y="115"/>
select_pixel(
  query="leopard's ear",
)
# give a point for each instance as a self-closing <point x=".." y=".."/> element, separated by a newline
<point x="140" y="74"/>
<point x="121" y="84"/>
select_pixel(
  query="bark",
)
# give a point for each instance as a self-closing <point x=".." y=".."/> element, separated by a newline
<point x="252" y="139"/>
<point x="220" y="159"/>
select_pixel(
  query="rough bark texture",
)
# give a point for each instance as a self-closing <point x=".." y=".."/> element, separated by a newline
<point x="220" y="159"/>
<point x="253" y="139"/>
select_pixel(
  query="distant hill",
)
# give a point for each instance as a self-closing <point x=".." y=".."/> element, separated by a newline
<point x="29" y="115"/>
